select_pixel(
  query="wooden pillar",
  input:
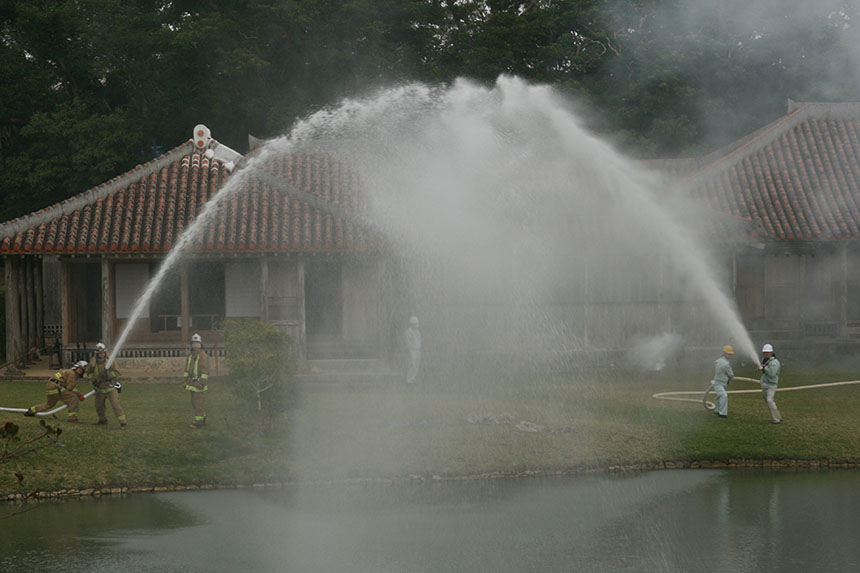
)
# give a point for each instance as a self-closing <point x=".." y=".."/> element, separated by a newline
<point x="264" y="289"/>
<point x="843" y="291"/>
<point x="664" y="309"/>
<point x="38" y="290"/>
<point x="30" y="293"/>
<point x="184" y="302"/>
<point x="23" y="306"/>
<point x="107" y="301"/>
<point x="734" y="274"/>
<point x="13" y="315"/>
<point x="24" y="296"/>
<point x="301" y="343"/>
<point x="65" y="308"/>
<point x="383" y="306"/>
<point x="586" y="297"/>
<point x="65" y="291"/>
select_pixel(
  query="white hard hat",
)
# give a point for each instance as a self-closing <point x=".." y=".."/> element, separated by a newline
<point x="196" y="338"/>
<point x="100" y="347"/>
<point x="767" y="348"/>
<point x="413" y="320"/>
<point x="82" y="364"/>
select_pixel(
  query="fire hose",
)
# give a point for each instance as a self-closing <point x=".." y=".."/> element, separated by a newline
<point x="682" y="396"/>
<point x="59" y="408"/>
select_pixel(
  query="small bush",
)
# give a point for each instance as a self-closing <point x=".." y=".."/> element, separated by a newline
<point x="261" y="362"/>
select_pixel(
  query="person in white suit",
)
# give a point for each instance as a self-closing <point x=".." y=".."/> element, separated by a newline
<point x="413" y="346"/>
<point x="722" y="374"/>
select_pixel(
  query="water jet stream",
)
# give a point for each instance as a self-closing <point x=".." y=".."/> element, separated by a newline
<point x="189" y="235"/>
<point x="507" y="193"/>
<point x="500" y="183"/>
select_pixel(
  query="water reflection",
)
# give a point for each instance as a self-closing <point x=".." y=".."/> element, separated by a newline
<point x="661" y="521"/>
<point x="74" y="534"/>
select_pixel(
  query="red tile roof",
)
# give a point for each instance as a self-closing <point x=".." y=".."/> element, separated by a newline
<point x="796" y="179"/>
<point x="301" y="205"/>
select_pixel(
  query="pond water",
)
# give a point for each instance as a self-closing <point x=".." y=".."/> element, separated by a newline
<point x="674" y="520"/>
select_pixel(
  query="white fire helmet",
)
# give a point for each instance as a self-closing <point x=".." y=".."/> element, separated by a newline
<point x="82" y="364"/>
<point x="100" y="347"/>
<point x="195" y="339"/>
<point x="767" y="348"/>
<point x="413" y="321"/>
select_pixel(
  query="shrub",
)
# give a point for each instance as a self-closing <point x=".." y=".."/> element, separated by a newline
<point x="261" y="362"/>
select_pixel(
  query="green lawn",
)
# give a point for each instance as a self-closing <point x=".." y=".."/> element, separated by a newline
<point x="388" y="430"/>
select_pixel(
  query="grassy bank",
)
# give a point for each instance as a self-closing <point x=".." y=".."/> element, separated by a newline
<point x="448" y="427"/>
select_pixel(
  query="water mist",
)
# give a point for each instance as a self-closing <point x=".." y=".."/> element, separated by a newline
<point x="510" y="221"/>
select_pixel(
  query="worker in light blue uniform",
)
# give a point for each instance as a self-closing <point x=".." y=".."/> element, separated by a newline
<point x="769" y="381"/>
<point x="722" y="374"/>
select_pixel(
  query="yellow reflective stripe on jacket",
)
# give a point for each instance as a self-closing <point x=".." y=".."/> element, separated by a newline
<point x="58" y="381"/>
<point x="188" y="364"/>
<point x="194" y="373"/>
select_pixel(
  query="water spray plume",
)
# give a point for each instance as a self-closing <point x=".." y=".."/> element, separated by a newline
<point x="498" y="196"/>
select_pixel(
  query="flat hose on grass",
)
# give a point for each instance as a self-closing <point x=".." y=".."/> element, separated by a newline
<point x="59" y="408"/>
<point x="679" y="396"/>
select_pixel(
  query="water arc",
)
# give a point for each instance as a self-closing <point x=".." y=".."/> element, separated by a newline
<point x="502" y="191"/>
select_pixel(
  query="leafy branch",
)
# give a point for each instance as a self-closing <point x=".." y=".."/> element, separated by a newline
<point x="14" y="447"/>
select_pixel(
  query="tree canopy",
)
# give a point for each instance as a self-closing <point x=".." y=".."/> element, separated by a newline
<point x="90" y="88"/>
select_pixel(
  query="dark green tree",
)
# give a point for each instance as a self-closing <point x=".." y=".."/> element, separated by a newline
<point x="549" y="42"/>
<point x="689" y="77"/>
<point x="72" y="74"/>
<point x="91" y="88"/>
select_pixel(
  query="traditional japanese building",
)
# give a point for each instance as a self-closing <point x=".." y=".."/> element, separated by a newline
<point x="280" y="249"/>
<point x="289" y="247"/>
<point x="796" y="278"/>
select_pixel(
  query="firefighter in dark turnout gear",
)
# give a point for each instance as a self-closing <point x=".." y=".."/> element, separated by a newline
<point x="106" y="384"/>
<point x="61" y="387"/>
<point x="196" y="378"/>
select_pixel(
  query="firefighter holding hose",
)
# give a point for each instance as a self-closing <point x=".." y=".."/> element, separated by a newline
<point x="196" y="378"/>
<point x="722" y="374"/>
<point x="106" y="385"/>
<point x="61" y="387"/>
<point x="769" y="381"/>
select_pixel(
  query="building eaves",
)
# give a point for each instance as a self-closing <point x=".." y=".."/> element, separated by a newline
<point x="92" y="196"/>
<point x="290" y="203"/>
<point x="798" y="112"/>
